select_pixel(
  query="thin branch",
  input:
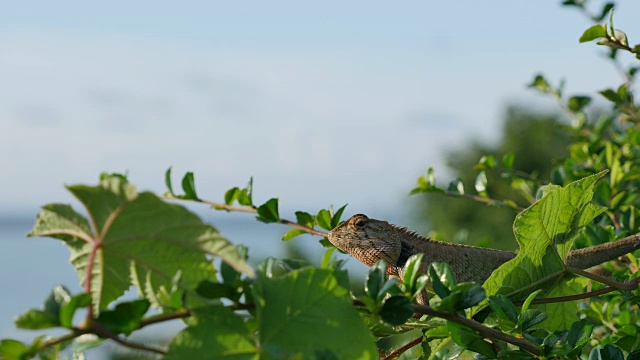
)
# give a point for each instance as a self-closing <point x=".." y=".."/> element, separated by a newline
<point x="164" y="317"/>
<point x="106" y="333"/>
<point x="302" y="227"/>
<point x="252" y="210"/>
<point x="536" y="284"/>
<point x="246" y="209"/>
<point x="586" y="295"/>
<point x="403" y="348"/>
<point x="601" y="279"/>
<point x="484" y="331"/>
<point x="69" y="336"/>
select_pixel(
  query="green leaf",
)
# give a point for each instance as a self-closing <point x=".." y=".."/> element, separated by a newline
<point x="462" y="296"/>
<point x="530" y="318"/>
<point x="564" y="313"/>
<point x="327" y="244"/>
<point x="471" y="294"/>
<point x="469" y="339"/>
<point x="609" y="352"/>
<point x="167" y="181"/>
<point x="410" y="271"/>
<point x="541" y="84"/>
<point x="442" y="278"/>
<point x="246" y="195"/>
<point x="189" y="187"/>
<point x="307" y="310"/>
<point x="143" y="241"/>
<point x="68" y="309"/>
<point x="306" y="219"/>
<point x="13" y="349"/>
<point x="595" y="32"/>
<point x="375" y="280"/>
<point x="335" y="219"/>
<point x="396" y="310"/>
<point x="612" y="96"/>
<point x="231" y="195"/>
<point x="293" y="233"/>
<point x="634" y="355"/>
<point x="268" y="212"/>
<point x="481" y="182"/>
<point x="106" y="175"/>
<point x="486" y="162"/>
<point x="456" y="186"/>
<point x="503" y="307"/>
<point x="323" y="219"/>
<point x="606" y="9"/>
<point x="215" y="290"/>
<point x="507" y="160"/>
<point x="579" y="335"/>
<point x="205" y="340"/>
<point x="125" y="317"/>
<point x="430" y="177"/>
<point x="545" y="233"/>
<point x="35" y="319"/>
<point x="49" y="316"/>
<point x="390" y="286"/>
<point x="529" y="299"/>
<point x="577" y="103"/>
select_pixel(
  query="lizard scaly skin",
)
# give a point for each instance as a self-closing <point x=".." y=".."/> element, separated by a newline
<point x="370" y="240"/>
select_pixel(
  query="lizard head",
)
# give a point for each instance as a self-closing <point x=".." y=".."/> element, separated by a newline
<point x="368" y="240"/>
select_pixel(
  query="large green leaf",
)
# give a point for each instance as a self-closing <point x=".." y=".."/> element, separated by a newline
<point x="546" y="232"/>
<point x="136" y="238"/>
<point x="215" y="332"/>
<point x="308" y="314"/>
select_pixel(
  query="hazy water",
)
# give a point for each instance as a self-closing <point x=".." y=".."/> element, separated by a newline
<point x="31" y="267"/>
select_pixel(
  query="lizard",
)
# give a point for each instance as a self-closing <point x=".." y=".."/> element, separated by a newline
<point x="370" y="240"/>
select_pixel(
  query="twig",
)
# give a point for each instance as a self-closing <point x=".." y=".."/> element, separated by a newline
<point x="586" y="295"/>
<point x="403" y="348"/>
<point x="164" y="317"/>
<point x="252" y="210"/>
<point x="69" y="336"/>
<point x="483" y="331"/>
<point x="601" y="279"/>
<point x="106" y="333"/>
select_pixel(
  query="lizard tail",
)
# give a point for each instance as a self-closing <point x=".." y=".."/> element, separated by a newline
<point x="594" y="255"/>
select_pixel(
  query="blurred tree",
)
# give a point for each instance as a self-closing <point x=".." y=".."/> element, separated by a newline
<point x="536" y="139"/>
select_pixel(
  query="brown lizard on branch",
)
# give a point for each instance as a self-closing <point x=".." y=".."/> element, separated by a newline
<point x="370" y="240"/>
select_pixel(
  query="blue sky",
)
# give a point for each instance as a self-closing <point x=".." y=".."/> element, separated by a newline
<point x="322" y="103"/>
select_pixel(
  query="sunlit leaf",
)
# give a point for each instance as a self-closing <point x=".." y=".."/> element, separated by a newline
<point x="268" y="212"/>
<point x="310" y="309"/>
<point x="141" y="240"/>
<point x="595" y="32"/>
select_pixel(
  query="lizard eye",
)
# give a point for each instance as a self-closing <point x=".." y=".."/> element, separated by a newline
<point x="360" y="223"/>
